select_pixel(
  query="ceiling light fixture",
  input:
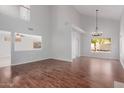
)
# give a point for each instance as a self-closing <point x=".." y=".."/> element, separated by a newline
<point x="96" y="33"/>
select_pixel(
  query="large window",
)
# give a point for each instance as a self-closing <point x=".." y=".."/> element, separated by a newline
<point x="101" y="44"/>
<point x="25" y="12"/>
<point x="17" y="11"/>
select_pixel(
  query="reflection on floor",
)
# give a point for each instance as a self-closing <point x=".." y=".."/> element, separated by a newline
<point x="118" y="84"/>
<point x="5" y="73"/>
<point x="83" y="72"/>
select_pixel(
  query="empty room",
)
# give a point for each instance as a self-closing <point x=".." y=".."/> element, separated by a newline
<point x="61" y="46"/>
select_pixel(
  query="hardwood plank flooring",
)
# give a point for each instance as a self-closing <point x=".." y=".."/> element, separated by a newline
<point x="83" y="72"/>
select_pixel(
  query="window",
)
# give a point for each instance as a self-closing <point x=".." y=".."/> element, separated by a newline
<point x="25" y="12"/>
<point x="25" y="42"/>
<point x="101" y="44"/>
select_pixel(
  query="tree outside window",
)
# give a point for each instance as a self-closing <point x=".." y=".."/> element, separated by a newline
<point x="101" y="44"/>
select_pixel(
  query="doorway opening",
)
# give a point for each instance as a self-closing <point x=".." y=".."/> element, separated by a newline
<point x="75" y="44"/>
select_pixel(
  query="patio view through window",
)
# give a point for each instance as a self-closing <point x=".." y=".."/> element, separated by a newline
<point x="101" y="44"/>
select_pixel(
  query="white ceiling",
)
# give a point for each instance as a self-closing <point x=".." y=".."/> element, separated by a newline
<point x="106" y="11"/>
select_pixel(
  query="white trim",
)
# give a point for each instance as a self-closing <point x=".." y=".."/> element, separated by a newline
<point x="67" y="60"/>
<point x="122" y="63"/>
<point x="41" y="60"/>
<point x="29" y="61"/>
<point x="104" y="58"/>
<point x="77" y="28"/>
<point x="20" y="63"/>
<point x="5" y="66"/>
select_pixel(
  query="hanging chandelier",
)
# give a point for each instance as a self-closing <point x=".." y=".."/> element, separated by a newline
<point x="97" y="33"/>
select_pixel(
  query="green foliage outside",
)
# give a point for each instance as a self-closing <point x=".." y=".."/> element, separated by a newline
<point x="100" y="41"/>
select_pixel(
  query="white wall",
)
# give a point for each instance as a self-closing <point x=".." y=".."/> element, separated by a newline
<point x="10" y="10"/>
<point x="51" y="23"/>
<point x="47" y="21"/>
<point x="40" y="23"/>
<point x="61" y="34"/>
<point x="110" y="29"/>
<point x="122" y="39"/>
<point x="5" y="46"/>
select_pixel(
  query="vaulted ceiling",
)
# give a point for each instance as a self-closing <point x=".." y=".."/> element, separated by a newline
<point x="106" y="11"/>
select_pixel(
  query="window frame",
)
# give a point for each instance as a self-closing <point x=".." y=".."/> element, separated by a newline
<point x="27" y="10"/>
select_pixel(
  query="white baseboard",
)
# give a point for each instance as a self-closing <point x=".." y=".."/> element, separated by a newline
<point x="19" y="63"/>
<point x="67" y="60"/>
<point x="8" y="65"/>
<point x="122" y="63"/>
<point x="30" y="61"/>
<point x="110" y="58"/>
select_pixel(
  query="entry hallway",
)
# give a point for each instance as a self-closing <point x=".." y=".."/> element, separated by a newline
<point x="83" y="72"/>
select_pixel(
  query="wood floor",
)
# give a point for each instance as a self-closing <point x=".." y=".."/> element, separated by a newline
<point x="84" y="72"/>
